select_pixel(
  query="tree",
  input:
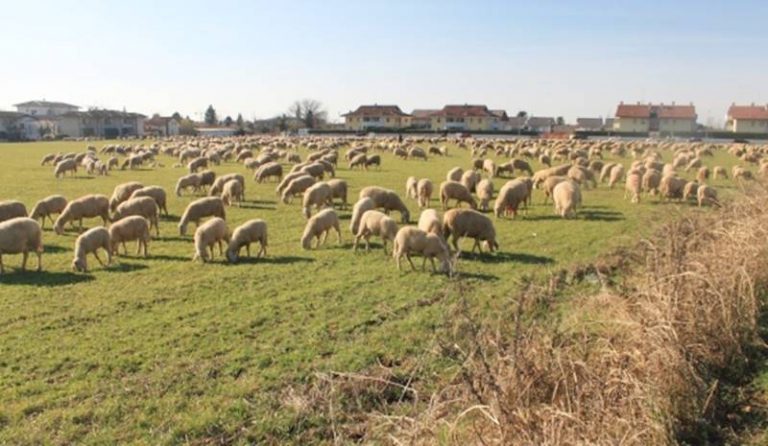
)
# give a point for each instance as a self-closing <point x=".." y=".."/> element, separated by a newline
<point x="282" y="123"/>
<point x="239" y="121"/>
<point x="522" y="114"/>
<point x="210" y="116"/>
<point x="176" y="116"/>
<point x="560" y="120"/>
<point x="228" y="121"/>
<point x="309" y="111"/>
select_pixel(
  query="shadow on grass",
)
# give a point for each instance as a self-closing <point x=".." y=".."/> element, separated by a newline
<point x="282" y="260"/>
<point x="253" y="205"/>
<point x="43" y="278"/>
<point x="479" y="276"/>
<point x="591" y="214"/>
<point x="171" y="258"/>
<point x="120" y="266"/>
<point x="53" y="249"/>
<point x="174" y="238"/>
<point x="504" y="257"/>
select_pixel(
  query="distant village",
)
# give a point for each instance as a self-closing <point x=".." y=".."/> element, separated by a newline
<point x="41" y="119"/>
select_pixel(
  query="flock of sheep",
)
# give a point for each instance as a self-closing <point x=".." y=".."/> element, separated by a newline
<point x="133" y="210"/>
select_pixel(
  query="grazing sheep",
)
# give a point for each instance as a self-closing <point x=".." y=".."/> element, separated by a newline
<point x="358" y="161"/>
<point x="375" y="223"/>
<point x="617" y="173"/>
<point x="707" y="195"/>
<point x="470" y="179"/>
<point x="12" y="209"/>
<point x="651" y="180"/>
<point x="417" y="152"/>
<point x="362" y="205"/>
<point x="400" y="152"/>
<point x="112" y="163"/>
<point x="459" y="223"/>
<point x="287" y="180"/>
<point x="690" y="191"/>
<point x="672" y="187"/>
<point x="484" y="193"/>
<point x="633" y="187"/>
<point x="412" y="240"/>
<point x="269" y="170"/>
<point x="123" y="192"/>
<point x="605" y="171"/>
<point x="339" y="190"/>
<point x="373" y="160"/>
<point x="430" y="222"/>
<point x="143" y="206"/>
<point x="133" y="227"/>
<point x="410" y="187"/>
<point x="192" y="180"/>
<point x="64" y="166"/>
<point x="89" y="242"/>
<point x="89" y="206"/>
<point x="388" y="200"/>
<point x="233" y="192"/>
<point x="297" y="186"/>
<point x="511" y="196"/>
<point x="546" y="160"/>
<point x="19" y="236"/>
<point x="740" y="173"/>
<point x="567" y="198"/>
<point x="489" y="167"/>
<point x="315" y="170"/>
<point x="217" y="187"/>
<point x="199" y="209"/>
<point x="523" y="165"/>
<point x="319" y="226"/>
<point x="249" y="232"/>
<point x="48" y="206"/>
<point x="582" y="176"/>
<point x="318" y="195"/>
<point x="197" y="164"/>
<point x="424" y="190"/>
<point x="209" y="234"/>
<point x="702" y="175"/>
<point x="719" y="172"/>
<point x="451" y="190"/>
<point x="454" y="174"/>
<point x="48" y="159"/>
<point x="157" y="193"/>
<point x="549" y="185"/>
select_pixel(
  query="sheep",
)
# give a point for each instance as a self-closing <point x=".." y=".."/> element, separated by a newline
<point x="143" y="206"/>
<point x="207" y="235"/>
<point x="123" y="192"/>
<point x="88" y="206"/>
<point x="315" y="170"/>
<point x="511" y="196"/>
<point x="375" y="223"/>
<point x="192" y="180"/>
<point x="707" y="195"/>
<point x="430" y="222"/>
<point x="157" y="193"/>
<point x="671" y="187"/>
<point x="362" y="205"/>
<point x="411" y="240"/>
<point x="417" y="152"/>
<point x="567" y="198"/>
<point x="740" y="173"/>
<point x="703" y="174"/>
<point x="297" y="186"/>
<point x="410" y="187"/>
<point x="651" y="180"/>
<point x="319" y="226"/>
<point x="490" y="167"/>
<point x="470" y="179"/>
<point x="269" y="170"/>
<point x="690" y="190"/>
<point x="48" y="159"/>
<point x="89" y="242"/>
<point x="549" y="185"/>
<point x="582" y="176"/>
<point x="12" y="209"/>
<point x="400" y="152"/>
<point x="133" y="227"/>
<point x="19" y="236"/>
<point x="132" y="162"/>
<point x="249" y="232"/>
<point x="53" y="204"/>
<point x="339" y="190"/>
<point x="287" y="180"/>
<point x="318" y="195"/>
<point x="112" y="162"/>
<point x="459" y="223"/>
<point x="520" y="164"/>
<point x="617" y="172"/>
<point x="200" y="208"/>
<point x="633" y="186"/>
<point x="233" y="192"/>
<point x="605" y="171"/>
<point x="477" y="163"/>
<point x="424" y="190"/>
<point x="358" y="161"/>
<point x="718" y="172"/>
<point x="373" y="160"/>
<point x="484" y="191"/>
<point x="454" y="174"/>
<point x="388" y="200"/>
<point x="217" y="187"/>
<point x="64" y="166"/>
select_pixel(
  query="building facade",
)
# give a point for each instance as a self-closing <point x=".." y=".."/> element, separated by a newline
<point x="161" y="126"/>
<point x="101" y="124"/>
<point x="641" y="118"/>
<point x="458" y="118"/>
<point x="45" y="108"/>
<point x="373" y="117"/>
<point x="747" y="118"/>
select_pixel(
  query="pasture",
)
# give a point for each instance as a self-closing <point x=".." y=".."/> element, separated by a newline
<point x="166" y="350"/>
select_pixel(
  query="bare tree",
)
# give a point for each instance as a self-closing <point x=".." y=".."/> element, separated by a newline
<point x="309" y="111"/>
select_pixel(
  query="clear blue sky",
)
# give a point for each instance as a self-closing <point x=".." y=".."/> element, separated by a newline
<point x="564" y="58"/>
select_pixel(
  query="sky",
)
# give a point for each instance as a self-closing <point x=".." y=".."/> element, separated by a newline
<point x="549" y="58"/>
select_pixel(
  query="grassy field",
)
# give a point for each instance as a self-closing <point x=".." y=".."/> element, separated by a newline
<point x="165" y="350"/>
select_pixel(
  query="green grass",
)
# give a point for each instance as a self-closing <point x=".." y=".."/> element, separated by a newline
<point x="165" y="350"/>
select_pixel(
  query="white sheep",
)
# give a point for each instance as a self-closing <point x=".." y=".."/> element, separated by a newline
<point x="362" y="205"/>
<point x="269" y="170"/>
<point x="412" y="240"/>
<point x="452" y="190"/>
<point x="707" y="195"/>
<point x="217" y="185"/>
<point x="430" y="222"/>
<point x="192" y="180"/>
<point x="339" y="190"/>
<point x="567" y="198"/>
<point x="233" y="192"/>
<point x="454" y="174"/>
<point x="157" y="193"/>
<point x="378" y="224"/>
<point x="633" y="186"/>
<point x="199" y="209"/>
<point x="249" y="232"/>
<point x="484" y="191"/>
<point x="89" y="242"/>
<point x="424" y="190"/>
<point x="297" y="186"/>
<point x="318" y="195"/>
<point x="64" y="166"/>
<point x="410" y="187"/>
<point x="53" y="204"/>
<point x="88" y="206"/>
<point x="143" y="206"/>
<point x="319" y="226"/>
<point x="459" y="223"/>
<point x="123" y="192"/>
<point x="11" y="209"/>
<point x="209" y="234"/>
<point x="19" y="236"/>
<point x="386" y="199"/>
<point x="133" y="227"/>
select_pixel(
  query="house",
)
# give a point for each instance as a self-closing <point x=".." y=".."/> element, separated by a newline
<point x="515" y="123"/>
<point x="372" y="117"/>
<point x="465" y="118"/>
<point x="161" y="126"/>
<point x="45" y="108"/>
<point x="100" y="124"/>
<point x="747" y="118"/>
<point x="640" y="118"/>
<point x="20" y="126"/>
<point x="608" y="125"/>
<point x="589" y="124"/>
<point x="422" y="118"/>
<point x="541" y="124"/>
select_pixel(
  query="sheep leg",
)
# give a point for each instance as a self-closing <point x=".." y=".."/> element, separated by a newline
<point x="384" y="243"/>
<point x="367" y="242"/>
<point x="24" y="256"/>
<point x="39" y="261"/>
<point x="2" y="270"/>
<point x="354" y="244"/>
<point x="125" y="249"/>
<point x="96" y="254"/>
<point x="338" y="233"/>
<point x="434" y="268"/>
<point x="247" y="249"/>
<point x="81" y="225"/>
<point x="424" y="263"/>
<point x="139" y="242"/>
<point x="408" y="256"/>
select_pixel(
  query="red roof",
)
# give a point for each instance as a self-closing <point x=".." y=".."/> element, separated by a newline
<point x="662" y="111"/>
<point x="423" y="113"/>
<point x="464" y="111"/>
<point x="633" y="111"/>
<point x="676" y="111"/>
<point x="377" y="110"/>
<point x="754" y="112"/>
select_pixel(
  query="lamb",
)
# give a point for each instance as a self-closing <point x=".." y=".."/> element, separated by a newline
<point x="410" y="187"/>
<point x="451" y="190"/>
<point x="48" y="206"/>
<point x="617" y="172"/>
<point x="249" y="232"/>
<point x="549" y="185"/>
<point x="318" y="195"/>
<point x="200" y="208"/>
<point x="430" y="222"/>
<point x="207" y="235"/>
<point x="133" y="227"/>
<point x="319" y="226"/>
<point x="511" y="195"/>
<point x="339" y="190"/>
<point x="375" y="223"/>
<point x="123" y="192"/>
<point x="269" y="170"/>
<point x="651" y="181"/>
<point x="19" y="236"/>
<point x="362" y="205"/>
<point x="411" y="240"/>
<point x="454" y="174"/>
<point x="12" y="209"/>
<point x="424" y="192"/>
<point x="470" y="179"/>
<point x="233" y="192"/>
<point x="143" y="206"/>
<point x="633" y="186"/>
<point x="64" y="166"/>
<point x="707" y="195"/>
<point x="297" y="186"/>
<point x="459" y="223"/>
<point x="89" y="242"/>
<point x="88" y="206"/>
<point x="157" y="193"/>
<point x="567" y="198"/>
<point x="388" y="200"/>
<point x="217" y="187"/>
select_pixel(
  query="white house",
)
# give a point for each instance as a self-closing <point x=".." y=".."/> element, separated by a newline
<point x="161" y="126"/>
<point x="45" y="108"/>
<point x="101" y="124"/>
